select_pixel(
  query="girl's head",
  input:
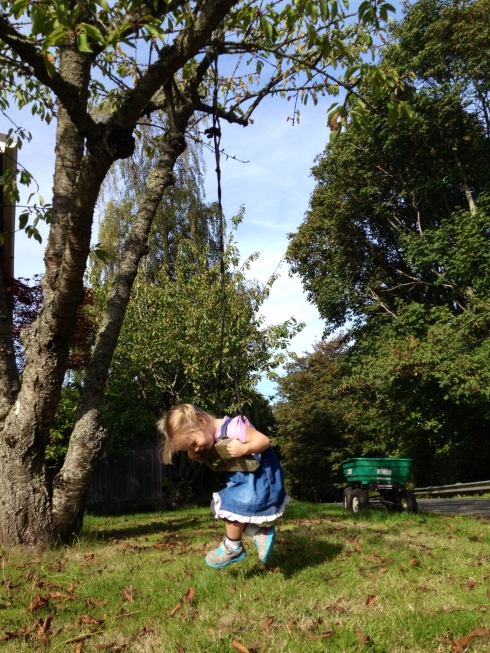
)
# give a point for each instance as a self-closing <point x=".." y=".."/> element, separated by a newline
<point x="182" y="428"/>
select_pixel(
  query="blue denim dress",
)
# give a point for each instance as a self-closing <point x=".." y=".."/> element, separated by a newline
<point x="254" y="494"/>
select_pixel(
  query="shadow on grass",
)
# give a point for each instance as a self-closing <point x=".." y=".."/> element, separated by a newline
<point x="134" y="526"/>
<point x="298" y="552"/>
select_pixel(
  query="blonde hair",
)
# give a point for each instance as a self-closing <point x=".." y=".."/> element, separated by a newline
<point x="177" y="425"/>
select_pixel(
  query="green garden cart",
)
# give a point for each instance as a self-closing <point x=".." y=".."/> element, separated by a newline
<point x="378" y="481"/>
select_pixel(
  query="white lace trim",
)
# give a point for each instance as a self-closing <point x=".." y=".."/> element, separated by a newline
<point x="255" y="519"/>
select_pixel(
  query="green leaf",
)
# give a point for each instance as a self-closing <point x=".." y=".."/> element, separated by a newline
<point x="82" y="43"/>
<point x="312" y="35"/>
<point x="324" y="11"/>
<point x="23" y="220"/>
<point x="19" y="7"/>
<point x="266" y="28"/>
<point x="93" y="32"/>
<point x="351" y="70"/>
<point x="103" y="255"/>
<point x="155" y="31"/>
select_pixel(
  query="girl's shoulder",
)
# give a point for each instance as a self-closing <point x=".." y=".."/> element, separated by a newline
<point x="237" y="428"/>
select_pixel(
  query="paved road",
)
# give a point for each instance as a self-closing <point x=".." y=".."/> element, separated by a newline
<point x="468" y="507"/>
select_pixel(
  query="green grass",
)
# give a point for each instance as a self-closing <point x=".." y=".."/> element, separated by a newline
<point x="429" y="576"/>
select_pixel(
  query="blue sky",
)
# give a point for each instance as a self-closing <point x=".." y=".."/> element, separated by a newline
<point x="274" y="187"/>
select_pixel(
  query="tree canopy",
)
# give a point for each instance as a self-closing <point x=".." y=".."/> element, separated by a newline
<point x="394" y="249"/>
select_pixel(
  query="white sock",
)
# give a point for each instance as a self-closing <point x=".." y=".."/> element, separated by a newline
<point x="252" y="529"/>
<point x="233" y="544"/>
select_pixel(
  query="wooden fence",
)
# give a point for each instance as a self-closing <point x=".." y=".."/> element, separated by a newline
<point x="128" y="483"/>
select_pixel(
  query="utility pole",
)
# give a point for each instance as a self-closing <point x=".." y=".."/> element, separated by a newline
<point x="8" y="159"/>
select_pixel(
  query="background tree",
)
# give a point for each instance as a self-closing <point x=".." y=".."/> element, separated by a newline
<point x="72" y="59"/>
<point x="310" y="428"/>
<point x="395" y="246"/>
<point x="169" y="349"/>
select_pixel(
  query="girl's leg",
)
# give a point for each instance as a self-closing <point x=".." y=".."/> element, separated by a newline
<point x="234" y="529"/>
<point x="231" y="550"/>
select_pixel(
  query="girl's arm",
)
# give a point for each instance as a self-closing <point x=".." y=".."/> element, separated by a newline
<point x="255" y="442"/>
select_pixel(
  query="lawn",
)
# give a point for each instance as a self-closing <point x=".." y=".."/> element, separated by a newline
<point x="375" y="582"/>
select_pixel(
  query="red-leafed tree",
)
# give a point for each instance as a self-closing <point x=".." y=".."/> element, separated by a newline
<point x="24" y="300"/>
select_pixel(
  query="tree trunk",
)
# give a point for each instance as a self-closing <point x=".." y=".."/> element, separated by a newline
<point x="86" y="443"/>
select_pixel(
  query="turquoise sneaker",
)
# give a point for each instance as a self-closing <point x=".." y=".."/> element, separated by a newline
<point x="264" y="540"/>
<point x="224" y="555"/>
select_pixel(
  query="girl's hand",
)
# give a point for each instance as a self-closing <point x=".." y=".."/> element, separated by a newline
<point x="236" y="448"/>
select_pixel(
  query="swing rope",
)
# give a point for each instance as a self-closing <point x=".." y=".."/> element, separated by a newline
<point x="216" y="129"/>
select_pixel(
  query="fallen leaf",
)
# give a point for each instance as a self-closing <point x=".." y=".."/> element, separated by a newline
<point x="239" y="647"/>
<point x="414" y="562"/>
<point x="265" y="625"/>
<point x="469" y="585"/>
<point x="144" y="631"/>
<point x="189" y="595"/>
<point x="383" y="570"/>
<point x="89" y="621"/>
<point x="462" y="642"/>
<point x="361" y="637"/>
<point x="44" y="626"/>
<point x="337" y="607"/>
<point x="38" y="602"/>
<point x="329" y="633"/>
<point x="78" y="647"/>
<point x="177" y="607"/>
<point x="370" y="600"/>
<point x="21" y="632"/>
<point x="89" y="556"/>
<point x="128" y="593"/>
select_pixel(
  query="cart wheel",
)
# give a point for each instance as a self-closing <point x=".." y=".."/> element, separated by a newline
<point x="408" y="501"/>
<point x="359" y="500"/>
<point x="347" y="497"/>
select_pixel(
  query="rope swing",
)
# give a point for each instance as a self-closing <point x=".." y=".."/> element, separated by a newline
<point x="216" y="132"/>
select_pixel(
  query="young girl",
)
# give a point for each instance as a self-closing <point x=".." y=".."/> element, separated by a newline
<point x="251" y="500"/>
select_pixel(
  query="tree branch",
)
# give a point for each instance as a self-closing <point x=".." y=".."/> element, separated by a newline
<point x="67" y="93"/>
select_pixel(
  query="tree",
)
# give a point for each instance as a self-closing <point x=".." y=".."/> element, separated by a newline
<point x="76" y="60"/>
<point x="309" y="422"/>
<point x="395" y="246"/>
